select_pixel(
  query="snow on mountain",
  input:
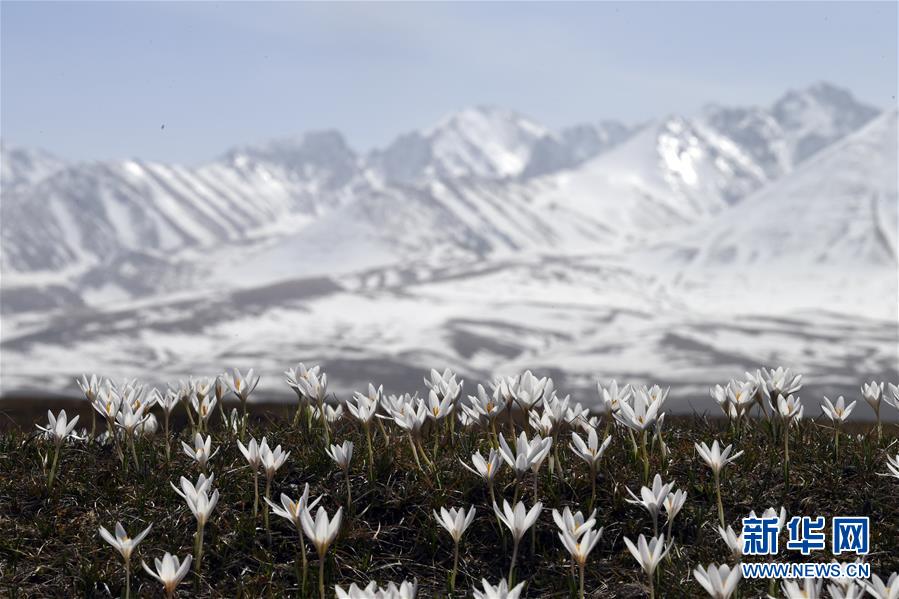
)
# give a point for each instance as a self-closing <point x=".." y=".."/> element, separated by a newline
<point x="839" y="209"/>
<point x="482" y="183"/>
<point x="321" y="159"/>
<point x="483" y="141"/>
<point x="25" y="166"/>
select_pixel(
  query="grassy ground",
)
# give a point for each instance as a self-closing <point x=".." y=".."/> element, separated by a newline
<point x="49" y="545"/>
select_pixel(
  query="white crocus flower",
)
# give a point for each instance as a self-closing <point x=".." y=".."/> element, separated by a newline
<point x="579" y="547"/>
<point x="641" y="413"/>
<point x="271" y="460"/>
<point x="720" y="582"/>
<point x="242" y="386"/>
<point x="191" y="490"/>
<point x="880" y="590"/>
<point x="499" y="591"/>
<point x="838" y="414"/>
<point x="893" y="398"/>
<point x="574" y="524"/>
<point x="673" y="504"/>
<point x="201" y="452"/>
<point x="527" y="453"/>
<point x="780" y="381"/>
<point x="125" y="545"/>
<point x="456" y="522"/>
<point x="342" y="456"/>
<point x="717" y="459"/>
<point x="405" y="590"/>
<point x="873" y="395"/>
<point x="733" y="541"/>
<point x="518" y="520"/>
<point x="809" y="589"/>
<point x="170" y="571"/>
<point x="648" y="555"/>
<point x="292" y="511"/>
<point x="485" y="408"/>
<point x="322" y="532"/>
<point x="59" y="427"/>
<point x="364" y="408"/>
<point x="530" y="390"/>
<point x="201" y="505"/>
<point x="332" y="413"/>
<point x="591" y="452"/>
<point x="612" y="395"/>
<point x="253" y="456"/>
<point x="790" y="410"/>
<point x="652" y="499"/>
<point x="444" y="386"/>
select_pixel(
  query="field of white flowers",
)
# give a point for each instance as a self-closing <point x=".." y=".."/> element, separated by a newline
<point x="509" y="491"/>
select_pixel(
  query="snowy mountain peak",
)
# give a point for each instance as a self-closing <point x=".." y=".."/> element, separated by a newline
<point x="818" y="115"/>
<point x="316" y="155"/>
<point x="481" y="141"/>
<point x="25" y="166"/>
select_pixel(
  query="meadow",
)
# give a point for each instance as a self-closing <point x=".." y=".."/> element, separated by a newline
<point x="194" y="475"/>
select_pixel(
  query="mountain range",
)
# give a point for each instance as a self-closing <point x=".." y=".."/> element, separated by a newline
<point x="487" y="242"/>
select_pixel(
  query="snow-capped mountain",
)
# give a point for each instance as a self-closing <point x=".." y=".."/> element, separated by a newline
<point x="25" y="166"/>
<point x="486" y="240"/>
<point x="482" y="142"/>
<point x="837" y="209"/>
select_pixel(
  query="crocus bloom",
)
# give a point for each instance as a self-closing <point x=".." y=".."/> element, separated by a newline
<point x="648" y="555"/>
<point x="591" y="451"/>
<point x="499" y="591"/>
<point x="406" y="590"/>
<point x="59" y="427"/>
<point x="341" y="454"/>
<point x="322" y="532"/>
<point x="733" y="541"/>
<point x="125" y="545"/>
<point x="527" y="454"/>
<point x="720" y="582"/>
<point x="518" y="520"/>
<point x="201" y="452"/>
<point x="580" y="547"/>
<point x="715" y="457"/>
<point x="652" y="498"/>
<point x="880" y="590"/>
<point x="456" y="522"/>
<point x="809" y="589"/>
<point x="838" y="412"/>
<point x="574" y="524"/>
<point x="486" y="469"/>
<point x="292" y="511"/>
<point x="170" y="571"/>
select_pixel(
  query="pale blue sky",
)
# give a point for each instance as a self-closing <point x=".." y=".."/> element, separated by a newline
<point x="97" y="80"/>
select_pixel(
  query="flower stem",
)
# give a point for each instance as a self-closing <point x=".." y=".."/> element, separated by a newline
<point x="268" y="492"/>
<point x="321" y="577"/>
<point x="512" y="565"/>
<point x="371" y="454"/>
<point x="349" y="492"/>
<point x="718" y="497"/>
<point x="52" y="476"/>
<point x="455" y="567"/>
<point x="127" y="579"/>
<point x="255" y="494"/>
<point x="305" y="563"/>
<point x="581" y="593"/>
